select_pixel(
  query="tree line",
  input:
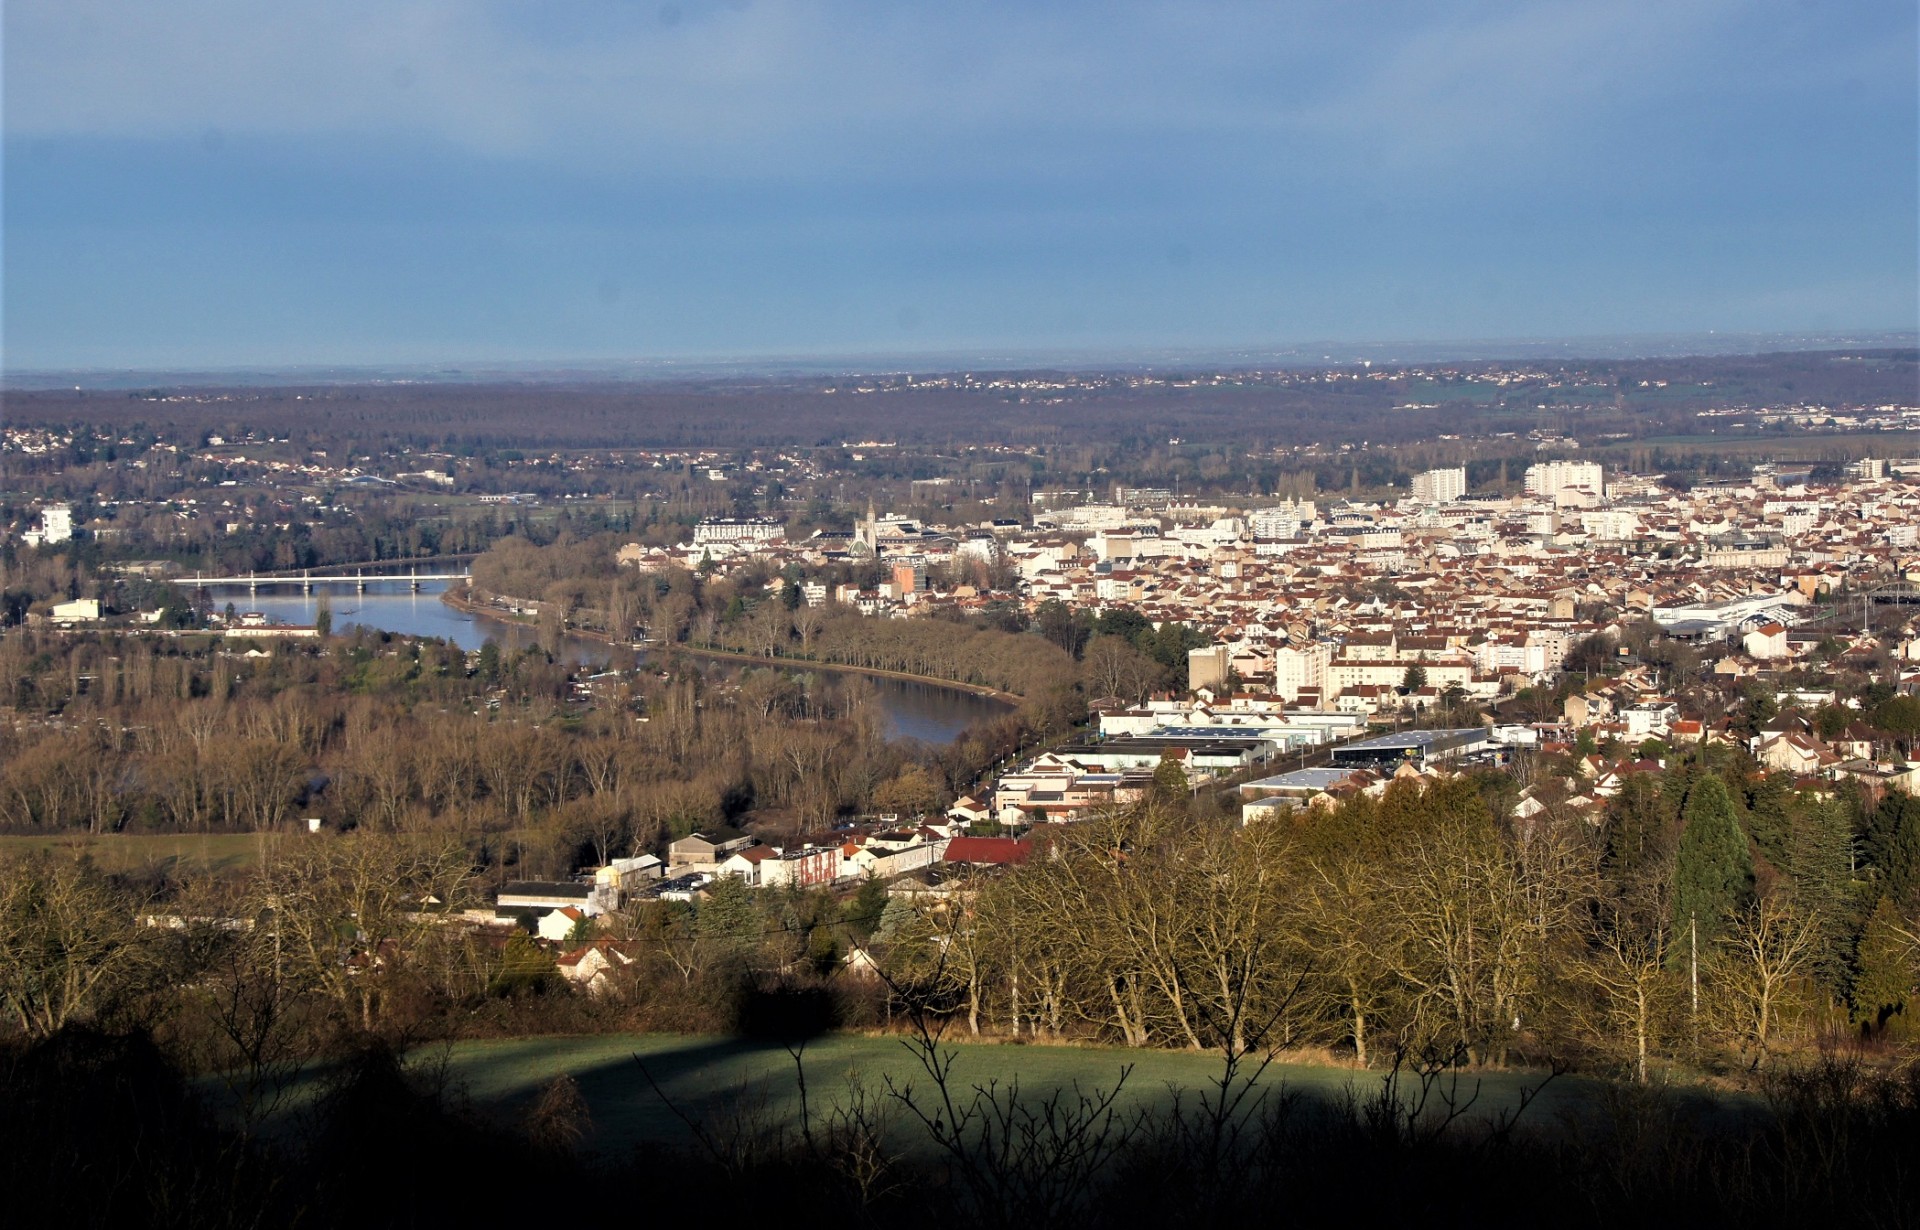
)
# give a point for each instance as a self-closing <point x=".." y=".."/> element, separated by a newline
<point x="1711" y="917"/>
<point x="506" y="752"/>
<point x="575" y="583"/>
<point x="168" y="1034"/>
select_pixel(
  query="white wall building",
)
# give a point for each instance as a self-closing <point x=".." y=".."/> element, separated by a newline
<point x="1440" y="486"/>
<point x="1549" y="477"/>
<point x="733" y="530"/>
<point x="1297" y="669"/>
<point x="56" y="525"/>
<point x="1285" y="520"/>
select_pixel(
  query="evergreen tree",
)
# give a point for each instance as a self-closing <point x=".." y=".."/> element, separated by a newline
<point x="1819" y="864"/>
<point x="1893" y="847"/>
<point x="1885" y="984"/>
<point x="1769" y="799"/>
<point x="728" y="917"/>
<point x="488" y="667"/>
<point x="1831" y="721"/>
<point x="895" y="920"/>
<point x="1900" y="717"/>
<point x="1170" y="781"/>
<point x="1677" y="783"/>
<point x="1713" y="873"/>
<point x="525" y="968"/>
<point x="1639" y="827"/>
<point x="865" y="911"/>
<point x="823" y="950"/>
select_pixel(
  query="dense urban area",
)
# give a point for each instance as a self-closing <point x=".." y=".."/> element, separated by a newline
<point x="1481" y="732"/>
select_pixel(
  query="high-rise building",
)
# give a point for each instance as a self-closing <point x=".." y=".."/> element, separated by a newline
<point x="1283" y="520"/>
<point x="1207" y="668"/>
<point x="1549" y="477"/>
<point x="1295" y="670"/>
<point x="1440" y="486"/>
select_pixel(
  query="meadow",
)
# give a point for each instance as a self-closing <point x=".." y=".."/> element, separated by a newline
<point x="716" y="1078"/>
<point x="136" y="852"/>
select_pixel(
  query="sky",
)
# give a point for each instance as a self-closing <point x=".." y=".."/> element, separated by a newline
<point x="208" y="183"/>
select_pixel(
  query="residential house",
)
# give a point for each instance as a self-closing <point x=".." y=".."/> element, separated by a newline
<point x="556" y="926"/>
<point x="593" y="965"/>
<point x="1800" y="755"/>
<point x="707" y="848"/>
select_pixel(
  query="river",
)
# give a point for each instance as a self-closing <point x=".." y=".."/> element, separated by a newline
<point x="914" y="710"/>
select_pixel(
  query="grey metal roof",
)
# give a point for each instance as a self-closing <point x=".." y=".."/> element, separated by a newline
<point x="1415" y="738"/>
<point x="1300" y="779"/>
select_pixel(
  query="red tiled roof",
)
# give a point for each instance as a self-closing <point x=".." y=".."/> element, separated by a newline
<point x="992" y="850"/>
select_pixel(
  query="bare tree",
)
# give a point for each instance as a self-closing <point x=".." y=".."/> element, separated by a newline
<point x="1116" y="668"/>
<point x="1769" y="947"/>
<point x="767" y="628"/>
<point x="68" y="943"/>
<point x="808" y="620"/>
<point x="1477" y="921"/>
<point x="348" y="909"/>
<point x="1343" y="922"/>
<point x="1626" y="965"/>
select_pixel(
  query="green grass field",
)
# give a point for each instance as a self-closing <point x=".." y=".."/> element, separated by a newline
<point x="715" y="1076"/>
<point x="134" y="852"/>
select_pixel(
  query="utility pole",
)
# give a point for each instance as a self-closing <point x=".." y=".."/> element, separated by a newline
<point x="1693" y="961"/>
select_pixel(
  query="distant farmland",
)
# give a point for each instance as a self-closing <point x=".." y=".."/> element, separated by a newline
<point x="136" y="852"/>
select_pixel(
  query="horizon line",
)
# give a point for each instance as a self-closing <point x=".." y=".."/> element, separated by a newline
<point x="1307" y="353"/>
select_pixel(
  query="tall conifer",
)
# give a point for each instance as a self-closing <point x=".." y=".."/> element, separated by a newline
<point x="1713" y="873"/>
<point x="1893" y="843"/>
<point x="1884" y="988"/>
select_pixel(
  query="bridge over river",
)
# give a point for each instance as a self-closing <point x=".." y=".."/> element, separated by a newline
<point x="307" y="580"/>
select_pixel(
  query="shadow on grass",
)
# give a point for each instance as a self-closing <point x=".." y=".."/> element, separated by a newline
<point x="705" y="1076"/>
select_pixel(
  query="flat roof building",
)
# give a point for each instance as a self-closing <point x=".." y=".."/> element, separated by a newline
<point x="1414" y="745"/>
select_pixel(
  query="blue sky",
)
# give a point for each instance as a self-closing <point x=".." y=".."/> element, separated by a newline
<point x="226" y="182"/>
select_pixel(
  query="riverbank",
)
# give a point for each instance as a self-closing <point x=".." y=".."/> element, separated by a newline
<point x="1010" y="699"/>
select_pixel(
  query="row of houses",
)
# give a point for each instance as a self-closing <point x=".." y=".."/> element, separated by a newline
<point x="694" y="862"/>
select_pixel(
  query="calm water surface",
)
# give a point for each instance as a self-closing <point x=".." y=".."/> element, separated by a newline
<point x="914" y="710"/>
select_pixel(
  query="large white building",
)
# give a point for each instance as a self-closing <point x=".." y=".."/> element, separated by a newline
<point x="1283" y="520"/>
<point x="56" y="525"/>
<point x="735" y="530"/>
<point x="1440" y="486"/>
<point x="1295" y="670"/>
<point x="1549" y="478"/>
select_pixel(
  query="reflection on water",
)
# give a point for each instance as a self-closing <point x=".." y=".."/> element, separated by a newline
<point x="914" y="710"/>
<point x="931" y="714"/>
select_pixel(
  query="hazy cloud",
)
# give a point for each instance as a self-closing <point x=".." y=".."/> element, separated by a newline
<point x="591" y="176"/>
<point x="612" y="80"/>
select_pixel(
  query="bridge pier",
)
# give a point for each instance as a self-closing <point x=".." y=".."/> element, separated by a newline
<point x="359" y="583"/>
